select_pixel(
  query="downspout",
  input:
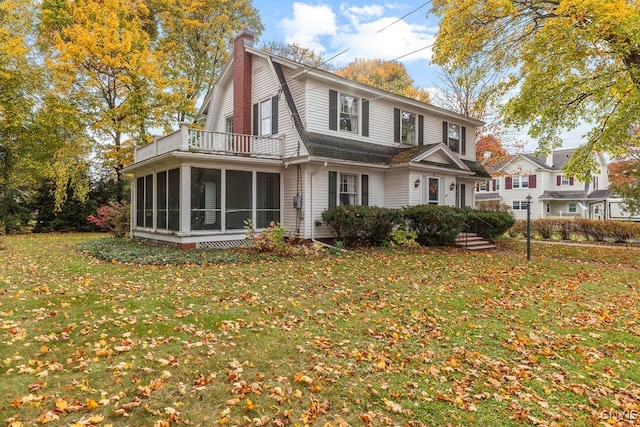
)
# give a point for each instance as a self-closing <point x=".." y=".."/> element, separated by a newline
<point x="313" y="226"/>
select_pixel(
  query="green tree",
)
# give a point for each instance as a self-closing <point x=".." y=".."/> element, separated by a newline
<point x="195" y="41"/>
<point x="387" y="75"/>
<point x="19" y="80"/>
<point x="103" y="63"/>
<point x="562" y="62"/>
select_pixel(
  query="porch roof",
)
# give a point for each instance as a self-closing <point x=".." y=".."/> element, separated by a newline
<point x="333" y="147"/>
<point x="563" y="195"/>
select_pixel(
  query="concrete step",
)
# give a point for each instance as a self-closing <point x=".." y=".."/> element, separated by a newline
<point x="472" y="242"/>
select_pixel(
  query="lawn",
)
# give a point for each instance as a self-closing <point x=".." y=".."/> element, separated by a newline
<point x="372" y="337"/>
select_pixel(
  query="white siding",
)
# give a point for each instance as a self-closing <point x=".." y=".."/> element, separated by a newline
<point x="289" y="215"/>
<point x="397" y="189"/>
<point x="225" y="109"/>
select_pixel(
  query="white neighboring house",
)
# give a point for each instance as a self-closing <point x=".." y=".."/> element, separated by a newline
<point x="553" y="194"/>
<point x="283" y="142"/>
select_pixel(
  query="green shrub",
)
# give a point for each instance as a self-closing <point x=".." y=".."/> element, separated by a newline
<point x="489" y="224"/>
<point x="403" y="238"/>
<point x="434" y="225"/>
<point x="361" y="225"/>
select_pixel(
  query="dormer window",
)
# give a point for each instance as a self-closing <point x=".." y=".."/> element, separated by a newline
<point x="349" y="113"/>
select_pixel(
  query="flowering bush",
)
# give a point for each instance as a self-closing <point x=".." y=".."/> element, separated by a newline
<point x="112" y="218"/>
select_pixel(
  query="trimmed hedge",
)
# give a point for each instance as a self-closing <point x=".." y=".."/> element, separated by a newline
<point x="434" y="225"/>
<point x="361" y="225"/>
<point x="488" y="224"/>
<point x="588" y="229"/>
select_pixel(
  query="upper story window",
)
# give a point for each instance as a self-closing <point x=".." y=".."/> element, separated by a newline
<point x="454" y="136"/>
<point x="349" y="113"/>
<point x="562" y="181"/>
<point x="265" y="117"/>
<point x="408" y="127"/>
<point x="520" y="181"/>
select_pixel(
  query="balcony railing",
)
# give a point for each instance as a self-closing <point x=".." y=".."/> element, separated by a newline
<point x="201" y="141"/>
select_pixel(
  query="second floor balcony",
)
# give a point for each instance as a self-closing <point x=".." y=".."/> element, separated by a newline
<point x="219" y="143"/>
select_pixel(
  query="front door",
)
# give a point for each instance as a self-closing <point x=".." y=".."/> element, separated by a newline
<point x="432" y="196"/>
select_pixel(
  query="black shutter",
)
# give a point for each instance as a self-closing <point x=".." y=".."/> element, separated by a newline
<point x="274" y="115"/>
<point x="365" y="190"/>
<point x="463" y="149"/>
<point x="333" y="188"/>
<point x="255" y="120"/>
<point x="420" y="129"/>
<point x="333" y="110"/>
<point x="445" y="133"/>
<point x="396" y="125"/>
<point x="365" y="117"/>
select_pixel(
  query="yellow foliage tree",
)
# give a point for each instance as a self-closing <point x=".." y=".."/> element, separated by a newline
<point x="386" y="75"/>
<point x="562" y="63"/>
<point x="102" y="60"/>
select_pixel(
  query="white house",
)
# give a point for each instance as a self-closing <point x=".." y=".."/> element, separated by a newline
<point x="553" y="193"/>
<point x="281" y="141"/>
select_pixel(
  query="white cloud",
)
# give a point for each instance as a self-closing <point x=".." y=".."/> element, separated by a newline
<point x="308" y="24"/>
<point x="364" y="30"/>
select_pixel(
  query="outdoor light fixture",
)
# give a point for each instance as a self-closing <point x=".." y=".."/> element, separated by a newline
<point x="452" y="186"/>
<point x="417" y="183"/>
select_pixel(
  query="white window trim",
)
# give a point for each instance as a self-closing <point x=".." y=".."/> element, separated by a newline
<point x="440" y="194"/>
<point x="412" y="127"/>
<point x="265" y="119"/>
<point x="355" y="131"/>
<point x="459" y="143"/>
<point x="357" y="192"/>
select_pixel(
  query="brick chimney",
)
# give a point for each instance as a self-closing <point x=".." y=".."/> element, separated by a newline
<point x="242" y="83"/>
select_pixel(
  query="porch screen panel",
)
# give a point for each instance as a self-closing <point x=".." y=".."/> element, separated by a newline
<point x="148" y="201"/>
<point x="161" y="201"/>
<point x="267" y="199"/>
<point x="140" y="202"/>
<point x="173" y="200"/>
<point x="205" y="199"/>
<point x="238" y="198"/>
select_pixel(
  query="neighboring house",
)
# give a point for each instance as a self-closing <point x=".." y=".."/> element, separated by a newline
<point x="282" y="142"/>
<point x="553" y="193"/>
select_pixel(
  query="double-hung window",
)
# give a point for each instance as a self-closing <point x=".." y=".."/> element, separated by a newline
<point x="408" y="127"/>
<point x="349" y="112"/>
<point x="265" y="117"/>
<point x="520" y="181"/>
<point x="348" y="189"/>
<point x="454" y="137"/>
<point x="564" y="180"/>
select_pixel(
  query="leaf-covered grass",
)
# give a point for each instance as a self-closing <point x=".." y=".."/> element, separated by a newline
<point x="372" y="337"/>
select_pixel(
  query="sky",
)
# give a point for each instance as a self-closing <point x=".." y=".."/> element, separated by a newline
<point x="375" y="29"/>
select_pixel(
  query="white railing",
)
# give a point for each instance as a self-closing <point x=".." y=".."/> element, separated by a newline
<point x="195" y="140"/>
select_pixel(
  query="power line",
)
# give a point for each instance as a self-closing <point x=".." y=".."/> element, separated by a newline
<point x="400" y="19"/>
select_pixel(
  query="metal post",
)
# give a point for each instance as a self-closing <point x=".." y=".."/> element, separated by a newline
<point x="528" y="227"/>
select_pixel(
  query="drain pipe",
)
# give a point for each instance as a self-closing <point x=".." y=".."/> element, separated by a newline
<point x="313" y="225"/>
